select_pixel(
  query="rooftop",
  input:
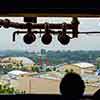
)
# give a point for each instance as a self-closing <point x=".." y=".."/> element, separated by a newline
<point x="84" y="65"/>
<point x="24" y="60"/>
<point x="17" y="72"/>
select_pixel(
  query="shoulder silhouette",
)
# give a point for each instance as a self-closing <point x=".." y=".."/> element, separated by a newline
<point x="96" y="95"/>
<point x="72" y="86"/>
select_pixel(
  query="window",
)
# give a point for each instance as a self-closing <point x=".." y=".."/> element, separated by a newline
<point x="43" y="66"/>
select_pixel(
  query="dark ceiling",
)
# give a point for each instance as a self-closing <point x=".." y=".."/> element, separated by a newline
<point x="53" y="7"/>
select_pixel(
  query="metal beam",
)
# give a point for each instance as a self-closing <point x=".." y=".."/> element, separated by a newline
<point x="33" y="26"/>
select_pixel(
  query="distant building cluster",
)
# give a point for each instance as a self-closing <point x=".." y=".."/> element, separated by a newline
<point x="37" y="82"/>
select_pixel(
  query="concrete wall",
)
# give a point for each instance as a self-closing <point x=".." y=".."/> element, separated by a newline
<point x="38" y="85"/>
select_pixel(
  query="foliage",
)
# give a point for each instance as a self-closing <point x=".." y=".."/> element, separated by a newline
<point x="58" y="70"/>
<point x="72" y="56"/>
<point x="5" y="89"/>
<point x="98" y="63"/>
<point x="23" y="68"/>
<point x="57" y="57"/>
<point x="97" y="66"/>
<point x="66" y="71"/>
<point x="43" y="51"/>
<point x="35" y="69"/>
<point x="48" y="69"/>
<point x="54" y="68"/>
<point x="69" y="71"/>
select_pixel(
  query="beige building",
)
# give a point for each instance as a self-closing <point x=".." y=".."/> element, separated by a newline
<point x="69" y="67"/>
<point x="18" y="74"/>
<point x="19" y="60"/>
<point x="86" y="68"/>
<point x="44" y="86"/>
<point x="80" y="68"/>
<point x="37" y="85"/>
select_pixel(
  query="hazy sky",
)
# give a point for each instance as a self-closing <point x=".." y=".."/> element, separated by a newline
<point x="83" y="42"/>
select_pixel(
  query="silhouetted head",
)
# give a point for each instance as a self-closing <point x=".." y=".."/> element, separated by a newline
<point x="96" y="95"/>
<point x="72" y="86"/>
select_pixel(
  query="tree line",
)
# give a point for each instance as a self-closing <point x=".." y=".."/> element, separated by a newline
<point x="58" y="57"/>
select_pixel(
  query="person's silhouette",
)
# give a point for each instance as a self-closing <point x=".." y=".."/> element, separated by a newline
<point x="72" y="86"/>
<point x="96" y="95"/>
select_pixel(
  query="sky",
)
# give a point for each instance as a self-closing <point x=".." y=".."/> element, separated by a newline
<point x="83" y="42"/>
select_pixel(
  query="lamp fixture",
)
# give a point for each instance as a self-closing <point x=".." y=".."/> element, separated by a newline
<point x="62" y="37"/>
<point x="46" y="38"/>
<point x="29" y="37"/>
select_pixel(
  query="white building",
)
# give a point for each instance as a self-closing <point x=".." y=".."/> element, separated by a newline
<point x="86" y="67"/>
<point x="23" y="60"/>
<point x="16" y="73"/>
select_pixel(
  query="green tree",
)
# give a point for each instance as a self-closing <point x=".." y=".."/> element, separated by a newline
<point x="5" y="89"/>
<point x="48" y="69"/>
<point x="58" y="70"/>
<point x="66" y="71"/>
<point x="54" y="68"/>
<point x="43" y="51"/>
<point x="21" y="63"/>
<point x="98" y="63"/>
<point x="35" y="69"/>
<point x="23" y="68"/>
<point x="71" y="70"/>
<point x="97" y="66"/>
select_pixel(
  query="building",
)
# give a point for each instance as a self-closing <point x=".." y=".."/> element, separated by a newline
<point x="37" y="85"/>
<point x="85" y="67"/>
<point x="17" y="73"/>
<point x="23" y="60"/>
<point x="19" y="61"/>
<point x="50" y="75"/>
<point x="80" y="68"/>
<point x="68" y="67"/>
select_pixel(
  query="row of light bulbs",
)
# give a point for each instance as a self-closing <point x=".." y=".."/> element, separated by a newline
<point x="47" y="37"/>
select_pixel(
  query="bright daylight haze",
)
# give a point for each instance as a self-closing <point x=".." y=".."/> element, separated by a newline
<point x="83" y="42"/>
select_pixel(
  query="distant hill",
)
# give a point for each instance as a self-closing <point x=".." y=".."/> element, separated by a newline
<point x="55" y="57"/>
<point x="11" y="53"/>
